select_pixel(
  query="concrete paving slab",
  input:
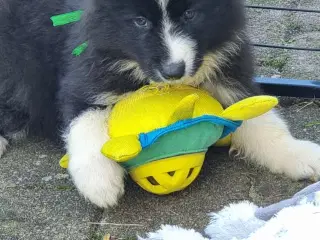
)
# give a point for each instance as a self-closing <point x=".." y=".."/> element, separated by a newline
<point x="37" y="198"/>
<point x="38" y="201"/>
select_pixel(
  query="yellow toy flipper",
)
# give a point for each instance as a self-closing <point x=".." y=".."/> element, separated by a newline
<point x="64" y="161"/>
<point x="122" y="149"/>
<point x="250" y="108"/>
<point x="185" y="109"/>
<point x="224" y="142"/>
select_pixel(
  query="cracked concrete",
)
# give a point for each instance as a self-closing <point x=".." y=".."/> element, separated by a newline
<point x="38" y="200"/>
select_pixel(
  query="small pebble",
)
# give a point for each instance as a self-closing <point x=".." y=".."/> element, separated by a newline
<point x="37" y="163"/>
<point x="47" y="179"/>
<point x="61" y="176"/>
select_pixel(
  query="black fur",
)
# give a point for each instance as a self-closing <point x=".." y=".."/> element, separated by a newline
<point x="42" y="85"/>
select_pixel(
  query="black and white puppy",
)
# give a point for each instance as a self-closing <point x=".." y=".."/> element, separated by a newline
<point x="44" y="88"/>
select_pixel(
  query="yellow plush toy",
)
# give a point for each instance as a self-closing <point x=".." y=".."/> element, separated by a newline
<point x="161" y="133"/>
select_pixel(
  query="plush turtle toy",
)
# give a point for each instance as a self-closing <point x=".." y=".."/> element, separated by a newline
<point x="161" y="133"/>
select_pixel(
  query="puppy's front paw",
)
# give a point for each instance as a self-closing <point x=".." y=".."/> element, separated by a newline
<point x="101" y="182"/>
<point x="3" y="145"/>
<point x="301" y="160"/>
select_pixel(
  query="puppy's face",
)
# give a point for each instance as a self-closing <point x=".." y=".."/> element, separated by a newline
<point x="167" y="39"/>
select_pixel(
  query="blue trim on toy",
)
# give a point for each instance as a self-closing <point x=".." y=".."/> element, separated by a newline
<point x="147" y="139"/>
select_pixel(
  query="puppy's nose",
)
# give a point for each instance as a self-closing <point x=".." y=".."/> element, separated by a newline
<point x="173" y="70"/>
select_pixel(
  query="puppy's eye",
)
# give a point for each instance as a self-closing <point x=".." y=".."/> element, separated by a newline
<point x="189" y="14"/>
<point x="142" y="22"/>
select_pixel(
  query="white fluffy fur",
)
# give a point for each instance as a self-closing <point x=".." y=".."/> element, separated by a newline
<point x="267" y="141"/>
<point x="163" y="4"/>
<point x="293" y="223"/>
<point x="3" y="145"/>
<point x="234" y="220"/>
<point x="99" y="179"/>
<point x="168" y="232"/>
<point x="181" y="48"/>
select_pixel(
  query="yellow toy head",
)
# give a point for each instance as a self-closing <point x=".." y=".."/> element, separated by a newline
<point x="160" y="134"/>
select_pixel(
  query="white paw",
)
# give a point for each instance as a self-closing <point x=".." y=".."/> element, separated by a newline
<point x="101" y="182"/>
<point x="99" y="179"/>
<point x="267" y="141"/>
<point x="3" y="145"/>
<point x="300" y="160"/>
